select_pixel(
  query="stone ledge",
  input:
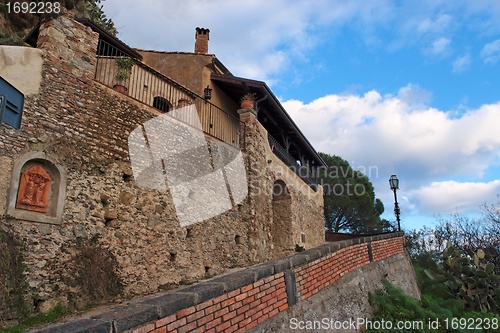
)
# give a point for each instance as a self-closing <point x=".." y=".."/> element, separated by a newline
<point x="81" y="326"/>
<point x="281" y="265"/>
<point x="313" y="254"/>
<point x="323" y="250"/>
<point x="205" y="290"/>
<point x="128" y="316"/>
<point x="170" y="303"/>
<point x="299" y="259"/>
<point x="263" y="270"/>
<point x="236" y="280"/>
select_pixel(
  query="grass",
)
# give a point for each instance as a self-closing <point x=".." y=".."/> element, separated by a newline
<point x="51" y="316"/>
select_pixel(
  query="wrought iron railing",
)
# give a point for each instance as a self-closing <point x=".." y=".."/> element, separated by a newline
<point x="157" y="90"/>
<point x="302" y="171"/>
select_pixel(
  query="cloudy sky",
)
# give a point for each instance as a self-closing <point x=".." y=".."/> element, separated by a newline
<point x="410" y="88"/>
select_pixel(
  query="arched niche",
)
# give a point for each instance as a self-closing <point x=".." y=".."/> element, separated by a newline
<point x="37" y="189"/>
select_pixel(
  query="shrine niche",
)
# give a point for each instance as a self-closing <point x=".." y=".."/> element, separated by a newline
<point x="37" y="189"/>
<point x="34" y="188"/>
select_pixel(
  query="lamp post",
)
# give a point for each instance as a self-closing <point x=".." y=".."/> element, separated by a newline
<point x="394" y="183"/>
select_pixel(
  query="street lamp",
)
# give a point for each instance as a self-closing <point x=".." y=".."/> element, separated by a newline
<point x="208" y="93"/>
<point x="394" y="182"/>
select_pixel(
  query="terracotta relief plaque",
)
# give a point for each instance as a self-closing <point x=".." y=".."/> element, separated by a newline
<point x="34" y="188"/>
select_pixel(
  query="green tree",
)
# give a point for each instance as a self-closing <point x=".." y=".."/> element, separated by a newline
<point x="96" y="14"/>
<point x="17" y="25"/>
<point x="349" y="196"/>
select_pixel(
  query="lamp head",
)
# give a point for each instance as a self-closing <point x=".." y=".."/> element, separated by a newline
<point x="394" y="182"/>
<point x="208" y="93"/>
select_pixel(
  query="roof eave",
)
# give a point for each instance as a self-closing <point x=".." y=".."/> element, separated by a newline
<point x="265" y="90"/>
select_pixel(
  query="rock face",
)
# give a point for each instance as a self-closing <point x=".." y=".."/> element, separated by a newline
<point x="82" y="128"/>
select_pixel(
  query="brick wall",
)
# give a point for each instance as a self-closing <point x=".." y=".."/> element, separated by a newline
<point x="240" y="309"/>
<point x="242" y="300"/>
<point x="319" y="274"/>
<point x="385" y="248"/>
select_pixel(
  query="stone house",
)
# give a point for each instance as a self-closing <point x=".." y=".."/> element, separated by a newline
<point x="171" y="179"/>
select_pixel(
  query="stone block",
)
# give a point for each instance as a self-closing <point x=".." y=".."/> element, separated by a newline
<point x="324" y="249"/>
<point x="313" y="254"/>
<point x="263" y="270"/>
<point x="205" y="291"/>
<point x="170" y="303"/>
<point x="282" y="265"/>
<point x="299" y="259"/>
<point x="129" y="316"/>
<point x="236" y="280"/>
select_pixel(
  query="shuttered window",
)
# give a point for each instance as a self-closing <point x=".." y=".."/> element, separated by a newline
<point x="11" y="104"/>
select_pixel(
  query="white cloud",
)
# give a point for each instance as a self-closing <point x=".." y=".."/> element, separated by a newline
<point x="417" y="142"/>
<point x="440" y="47"/>
<point x="260" y="38"/>
<point x="448" y="197"/>
<point x="462" y="63"/>
<point x="414" y="95"/>
<point x="435" y="26"/>
<point x="491" y="52"/>
<point x="389" y="130"/>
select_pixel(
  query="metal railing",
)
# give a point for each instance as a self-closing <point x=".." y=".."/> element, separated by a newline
<point x="157" y="90"/>
<point x="302" y="171"/>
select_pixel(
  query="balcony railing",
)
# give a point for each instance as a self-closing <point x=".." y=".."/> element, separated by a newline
<point x="302" y="171"/>
<point x="157" y="90"/>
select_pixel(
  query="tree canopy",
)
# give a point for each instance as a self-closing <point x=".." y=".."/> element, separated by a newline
<point x="15" y="26"/>
<point x="96" y="14"/>
<point x="349" y="196"/>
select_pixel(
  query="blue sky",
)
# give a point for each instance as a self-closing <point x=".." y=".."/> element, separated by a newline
<point x="410" y="88"/>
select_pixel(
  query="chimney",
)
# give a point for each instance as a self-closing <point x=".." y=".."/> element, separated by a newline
<point x="201" y="44"/>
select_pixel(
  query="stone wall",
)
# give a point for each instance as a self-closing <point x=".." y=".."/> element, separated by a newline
<point x="329" y="281"/>
<point x="82" y="128"/>
<point x="268" y="172"/>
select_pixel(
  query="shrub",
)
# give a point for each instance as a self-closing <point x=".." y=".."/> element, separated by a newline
<point x="13" y="286"/>
<point x="10" y="39"/>
<point x="95" y="270"/>
<point x="472" y="281"/>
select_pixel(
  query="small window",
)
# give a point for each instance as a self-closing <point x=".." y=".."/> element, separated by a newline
<point x="162" y="104"/>
<point x="11" y="104"/>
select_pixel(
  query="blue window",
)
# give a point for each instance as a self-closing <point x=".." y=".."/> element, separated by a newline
<point x="11" y="104"/>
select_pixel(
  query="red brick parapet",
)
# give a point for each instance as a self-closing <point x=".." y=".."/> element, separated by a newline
<point x="240" y="301"/>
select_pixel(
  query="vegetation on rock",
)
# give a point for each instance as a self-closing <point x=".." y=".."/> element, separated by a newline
<point x="16" y="26"/>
